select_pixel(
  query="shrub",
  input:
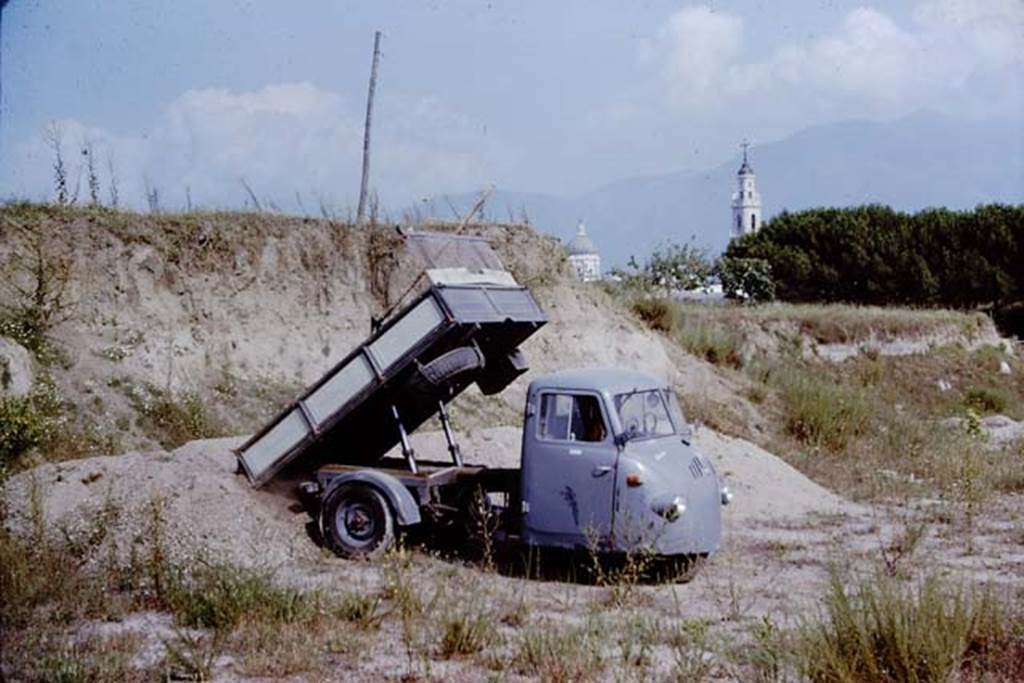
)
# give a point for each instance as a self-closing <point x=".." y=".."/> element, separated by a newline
<point x="220" y="596"/>
<point x="657" y="313"/>
<point x="822" y="413"/>
<point x="987" y="400"/>
<point x="881" y="630"/>
<point x="746" y="279"/>
<point x="174" y="419"/>
<point x="556" y="654"/>
<point x="466" y="634"/>
<point x="361" y="609"/>
<point x="36" y="285"/>
<point x="671" y="267"/>
<point x="27" y="421"/>
<point x="715" y="344"/>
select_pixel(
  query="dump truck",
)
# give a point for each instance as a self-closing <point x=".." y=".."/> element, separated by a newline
<point x="606" y="462"/>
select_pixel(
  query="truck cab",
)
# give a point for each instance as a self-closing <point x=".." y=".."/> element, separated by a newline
<point x="607" y="466"/>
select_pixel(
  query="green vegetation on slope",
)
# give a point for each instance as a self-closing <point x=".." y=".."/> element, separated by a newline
<point x="872" y="425"/>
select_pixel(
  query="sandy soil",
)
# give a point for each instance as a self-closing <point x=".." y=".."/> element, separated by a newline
<point x="783" y="533"/>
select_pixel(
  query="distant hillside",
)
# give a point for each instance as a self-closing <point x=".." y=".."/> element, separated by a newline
<point x="920" y="161"/>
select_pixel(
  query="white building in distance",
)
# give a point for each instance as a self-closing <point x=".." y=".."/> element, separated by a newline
<point x="583" y="256"/>
<point x="746" y="201"/>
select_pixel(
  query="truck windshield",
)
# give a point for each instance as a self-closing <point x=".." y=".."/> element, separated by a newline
<point x="643" y="414"/>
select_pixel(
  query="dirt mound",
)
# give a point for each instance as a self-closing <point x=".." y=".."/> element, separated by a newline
<point x="192" y="496"/>
<point x="196" y="500"/>
<point x="765" y="487"/>
<point x="227" y="316"/>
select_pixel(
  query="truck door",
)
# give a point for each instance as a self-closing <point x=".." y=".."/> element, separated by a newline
<point x="569" y="461"/>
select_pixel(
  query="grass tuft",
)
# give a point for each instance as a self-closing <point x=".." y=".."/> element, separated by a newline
<point x="881" y="630"/>
<point x="821" y="413"/>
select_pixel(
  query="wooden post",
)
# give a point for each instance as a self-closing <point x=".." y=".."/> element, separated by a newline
<point x="361" y="212"/>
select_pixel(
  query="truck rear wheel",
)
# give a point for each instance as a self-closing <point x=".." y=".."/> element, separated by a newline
<point x="356" y="521"/>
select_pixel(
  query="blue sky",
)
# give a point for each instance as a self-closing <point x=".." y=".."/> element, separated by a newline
<point x="529" y="95"/>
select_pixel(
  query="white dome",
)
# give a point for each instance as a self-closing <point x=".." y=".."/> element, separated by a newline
<point x="581" y="245"/>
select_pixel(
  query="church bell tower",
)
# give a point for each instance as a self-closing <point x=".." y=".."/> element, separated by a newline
<point x="746" y="201"/>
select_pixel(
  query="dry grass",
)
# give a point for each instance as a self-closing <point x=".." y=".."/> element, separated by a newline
<point x="268" y="629"/>
<point x="730" y="334"/>
<point x="882" y="630"/>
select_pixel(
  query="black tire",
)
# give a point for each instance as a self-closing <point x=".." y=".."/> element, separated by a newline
<point x="356" y="521"/>
<point x="446" y="368"/>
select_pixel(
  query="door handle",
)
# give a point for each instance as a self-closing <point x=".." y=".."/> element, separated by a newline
<point x="601" y="470"/>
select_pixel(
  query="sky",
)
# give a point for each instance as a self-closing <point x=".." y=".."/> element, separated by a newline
<point x="194" y="97"/>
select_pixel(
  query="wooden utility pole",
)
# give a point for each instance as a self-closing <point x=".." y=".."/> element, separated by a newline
<point x="361" y="212"/>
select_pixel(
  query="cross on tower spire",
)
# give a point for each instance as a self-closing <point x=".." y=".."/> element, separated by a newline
<point x="745" y="144"/>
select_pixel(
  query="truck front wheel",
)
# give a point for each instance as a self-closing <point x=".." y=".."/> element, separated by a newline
<point x="356" y="521"/>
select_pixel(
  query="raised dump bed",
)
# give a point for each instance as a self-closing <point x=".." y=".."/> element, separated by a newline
<point x="465" y="327"/>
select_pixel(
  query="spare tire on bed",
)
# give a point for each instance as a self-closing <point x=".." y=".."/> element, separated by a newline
<point x="439" y="373"/>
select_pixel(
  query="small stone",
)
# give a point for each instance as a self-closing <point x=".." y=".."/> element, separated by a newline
<point x="1004" y="368"/>
<point x="943" y="385"/>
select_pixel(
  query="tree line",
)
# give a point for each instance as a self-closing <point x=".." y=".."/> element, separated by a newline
<point x="876" y="255"/>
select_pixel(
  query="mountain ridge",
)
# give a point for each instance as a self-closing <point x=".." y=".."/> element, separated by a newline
<point x="919" y="161"/>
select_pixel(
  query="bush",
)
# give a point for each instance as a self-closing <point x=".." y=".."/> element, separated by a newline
<point x="563" y="654"/>
<point x="221" y="596"/>
<point x="174" y="419"/>
<point x="714" y="343"/>
<point x="27" y="421"/>
<point x="987" y="400"/>
<point x="746" y="279"/>
<point x="657" y="313"/>
<point x="821" y="413"/>
<point x="466" y="634"/>
<point x="671" y="268"/>
<point x="883" y="631"/>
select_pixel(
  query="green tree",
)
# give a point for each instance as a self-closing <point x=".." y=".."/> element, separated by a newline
<point x="746" y="279"/>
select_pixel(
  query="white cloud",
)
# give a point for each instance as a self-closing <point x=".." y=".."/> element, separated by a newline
<point x="282" y="139"/>
<point x="947" y="59"/>
<point x="693" y="50"/>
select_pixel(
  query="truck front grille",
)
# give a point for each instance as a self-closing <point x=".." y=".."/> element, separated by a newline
<point x="697" y="468"/>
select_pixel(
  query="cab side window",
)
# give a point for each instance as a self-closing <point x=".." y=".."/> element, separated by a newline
<point x="571" y="417"/>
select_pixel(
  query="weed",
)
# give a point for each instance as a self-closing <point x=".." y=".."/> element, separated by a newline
<point x="398" y="589"/>
<point x="768" y="654"/>
<point x="987" y="400"/>
<point x="38" y="283"/>
<point x="466" y="633"/>
<point x="637" y="638"/>
<point x="361" y="609"/>
<point x="93" y="658"/>
<point x="883" y="631"/>
<point x="191" y="656"/>
<point x="657" y="313"/>
<point x="822" y="413"/>
<point x="280" y="650"/>
<point x="173" y="419"/>
<point x="562" y="654"/>
<point x="221" y="596"/>
<point x="28" y="421"/>
<point x="692" y="656"/>
<point x="901" y="548"/>
<point x="517" y="614"/>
